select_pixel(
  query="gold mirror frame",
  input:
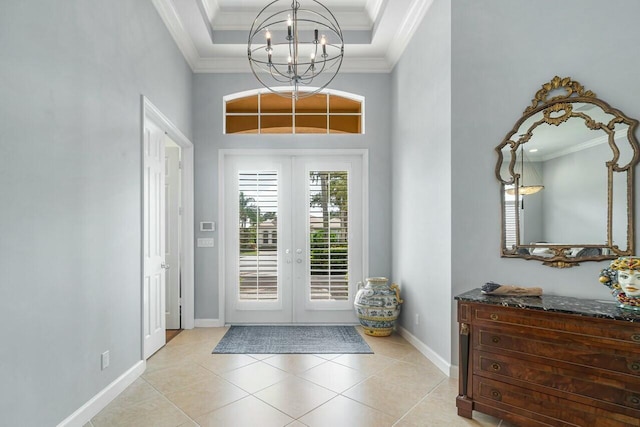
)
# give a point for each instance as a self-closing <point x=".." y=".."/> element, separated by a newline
<point x="556" y="110"/>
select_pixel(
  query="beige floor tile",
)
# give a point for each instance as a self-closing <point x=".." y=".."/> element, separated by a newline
<point x="188" y="336"/>
<point x="415" y="357"/>
<point x="297" y="423"/>
<point x="247" y="412"/>
<point x="295" y="396"/>
<point x="423" y="377"/>
<point x="328" y="356"/>
<point x="294" y="363"/>
<point x="368" y="364"/>
<point x="395" y="337"/>
<point x="221" y="363"/>
<point x="438" y="408"/>
<point x="255" y="377"/>
<point x="392" y="398"/>
<point x="430" y="413"/>
<point x="390" y="349"/>
<point x="260" y="356"/>
<point x="166" y="358"/>
<point x="154" y="412"/>
<point x="205" y="396"/>
<point x="137" y="392"/>
<point x="334" y="376"/>
<point x="176" y="377"/>
<point x="342" y="411"/>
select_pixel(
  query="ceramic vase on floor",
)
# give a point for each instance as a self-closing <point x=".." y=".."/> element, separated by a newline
<point x="378" y="306"/>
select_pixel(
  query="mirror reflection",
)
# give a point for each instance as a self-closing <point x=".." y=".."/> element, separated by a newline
<point x="566" y="174"/>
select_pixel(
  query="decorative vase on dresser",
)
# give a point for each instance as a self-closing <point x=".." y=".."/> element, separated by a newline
<point x="377" y="306"/>
<point x="549" y="360"/>
<point x="623" y="278"/>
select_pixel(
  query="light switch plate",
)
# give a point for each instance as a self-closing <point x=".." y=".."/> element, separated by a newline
<point x="205" y="243"/>
<point x="207" y="226"/>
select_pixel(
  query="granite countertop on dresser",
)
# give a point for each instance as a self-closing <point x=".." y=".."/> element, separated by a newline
<point x="559" y="304"/>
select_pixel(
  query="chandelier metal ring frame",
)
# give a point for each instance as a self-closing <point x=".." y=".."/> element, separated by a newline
<point x="297" y="46"/>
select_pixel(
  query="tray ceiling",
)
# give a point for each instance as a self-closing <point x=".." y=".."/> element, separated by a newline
<point x="212" y="34"/>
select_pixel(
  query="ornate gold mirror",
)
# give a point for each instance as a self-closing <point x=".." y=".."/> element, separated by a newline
<point x="566" y="179"/>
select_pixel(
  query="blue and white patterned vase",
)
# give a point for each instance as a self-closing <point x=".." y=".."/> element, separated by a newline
<point x="378" y="306"/>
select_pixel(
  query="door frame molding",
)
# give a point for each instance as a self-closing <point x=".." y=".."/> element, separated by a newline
<point x="149" y="112"/>
<point x="224" y="152"/>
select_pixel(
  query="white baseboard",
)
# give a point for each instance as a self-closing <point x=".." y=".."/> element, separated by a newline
<point x="434" y="357"/>
<point x="209" y="323"/>
<point x="98" y="402"/>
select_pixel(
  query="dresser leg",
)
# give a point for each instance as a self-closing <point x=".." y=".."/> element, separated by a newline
<point x="463" y="403"/>
<point x="465" y="406"/>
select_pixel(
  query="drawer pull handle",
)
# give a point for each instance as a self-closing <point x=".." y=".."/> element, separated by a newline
<point x="635" y="366"/>
<point x="634" y="400"/>
<point x="496" y="395"/>
<point x="495" y="366"/>
<point x="494" y="316"/>
<point x="635" y="337"/>
<point x="495" y="340"/>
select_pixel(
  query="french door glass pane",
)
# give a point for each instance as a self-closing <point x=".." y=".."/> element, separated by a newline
<point x="328" y="235"/>
<point x="258" y="235"/>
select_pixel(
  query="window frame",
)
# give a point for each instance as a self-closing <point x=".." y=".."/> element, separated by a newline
<point x="259" y="114"/>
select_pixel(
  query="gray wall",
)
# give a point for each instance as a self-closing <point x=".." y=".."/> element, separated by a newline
<point x="422" y="168"/>
<point x="72" y="73"/>
<point x="208" y="139"/>
<point x="575" y="196"/>
<point x="502" y="52"/>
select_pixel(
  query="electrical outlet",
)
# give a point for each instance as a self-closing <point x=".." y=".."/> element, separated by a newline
<point x="104" y="360"/>
<point x="417" y="321"/>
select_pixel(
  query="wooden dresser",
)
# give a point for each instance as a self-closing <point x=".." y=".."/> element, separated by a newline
<point x="549" y="361"/>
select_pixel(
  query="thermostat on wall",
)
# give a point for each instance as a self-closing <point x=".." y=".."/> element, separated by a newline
<point x="207" y="226"/>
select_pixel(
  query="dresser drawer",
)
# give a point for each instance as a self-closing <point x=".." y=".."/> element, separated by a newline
<point x="618" y="392"/>
<point x="567" y="347"/>
<point x="627" y="332"/>
<point x="544" y="408"/>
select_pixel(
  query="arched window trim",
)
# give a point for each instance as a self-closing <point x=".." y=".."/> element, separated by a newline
<point x="254" y="92"/>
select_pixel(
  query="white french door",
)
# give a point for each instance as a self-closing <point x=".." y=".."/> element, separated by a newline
<point x="293" y="245"/>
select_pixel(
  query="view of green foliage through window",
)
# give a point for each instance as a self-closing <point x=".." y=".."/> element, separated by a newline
<point x="328" y="221"/>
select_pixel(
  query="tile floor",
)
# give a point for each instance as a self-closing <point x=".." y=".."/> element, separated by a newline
<point x="185" y="385"/>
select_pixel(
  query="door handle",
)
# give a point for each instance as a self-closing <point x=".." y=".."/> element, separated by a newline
<point x="165" y="266"/>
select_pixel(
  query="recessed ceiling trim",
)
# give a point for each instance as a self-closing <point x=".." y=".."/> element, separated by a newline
<point x="412" y="20"/>
<point x="378" y="56"/>
<point x="373" y="8"/>
<point x="171" y="20"/>
<point x="235" y="65"/>
<point x="208" y="10"/>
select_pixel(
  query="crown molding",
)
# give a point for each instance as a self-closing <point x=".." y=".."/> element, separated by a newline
<point x="411" y="22"/>
<point x="172" y="21"/>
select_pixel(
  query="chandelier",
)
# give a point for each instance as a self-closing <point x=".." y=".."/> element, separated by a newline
<point x="525" y="190"/>
<point x="298" y="46"/>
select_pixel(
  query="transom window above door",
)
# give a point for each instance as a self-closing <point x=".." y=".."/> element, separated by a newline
<point x="263" y="112"/>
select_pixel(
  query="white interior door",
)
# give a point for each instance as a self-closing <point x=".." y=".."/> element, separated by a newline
<point x="293" y="238"/>
<point x="153" y="239"/>
<point x="172" y="234"/>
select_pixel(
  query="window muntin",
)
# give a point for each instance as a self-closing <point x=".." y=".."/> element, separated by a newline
<point x="258" y="112"/>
